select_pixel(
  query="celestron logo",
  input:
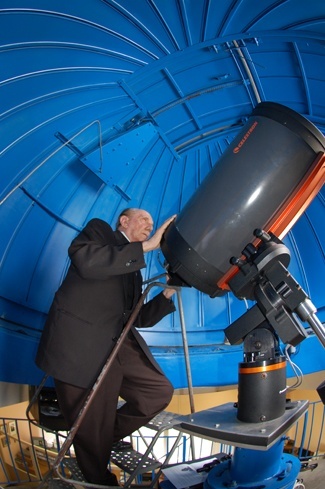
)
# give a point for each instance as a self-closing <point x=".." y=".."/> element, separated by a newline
<point x="248" y="133"/>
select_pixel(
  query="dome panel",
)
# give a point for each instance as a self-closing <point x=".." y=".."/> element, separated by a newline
<point x="78" y="80"/>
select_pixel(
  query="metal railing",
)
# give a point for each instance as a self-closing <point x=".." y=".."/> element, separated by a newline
<point x="306" y="439"/>
<point x="28" y="452"/>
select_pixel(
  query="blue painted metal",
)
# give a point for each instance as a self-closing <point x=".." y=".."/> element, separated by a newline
<point x="125" y="151"/>
<point x="81" y="77"/>
<point x="253" y="469"/>
<point x="217" y="364"/>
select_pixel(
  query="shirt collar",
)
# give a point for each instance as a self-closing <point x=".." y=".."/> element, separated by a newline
<point x="125" y="236"/>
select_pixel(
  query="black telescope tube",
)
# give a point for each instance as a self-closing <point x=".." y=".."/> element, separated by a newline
<point x="261" y="168"/>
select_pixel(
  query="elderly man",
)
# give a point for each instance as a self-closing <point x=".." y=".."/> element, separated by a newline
<point x="88" y="313"/>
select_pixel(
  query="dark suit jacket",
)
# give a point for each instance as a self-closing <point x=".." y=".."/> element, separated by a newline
<point x="102" y="286"/>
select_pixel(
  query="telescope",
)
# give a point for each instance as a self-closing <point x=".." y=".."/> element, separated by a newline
<point x="228" y="238"/>
<point x="265" y="180"/>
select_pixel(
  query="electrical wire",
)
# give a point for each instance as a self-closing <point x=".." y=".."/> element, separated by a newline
<point x="297" y="371"/>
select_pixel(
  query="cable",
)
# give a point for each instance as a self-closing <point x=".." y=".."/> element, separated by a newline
<point x="297" y="371"/>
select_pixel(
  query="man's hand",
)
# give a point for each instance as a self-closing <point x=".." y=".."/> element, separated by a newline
<point x="168" y="293"/>
<point x="153" y="243"/>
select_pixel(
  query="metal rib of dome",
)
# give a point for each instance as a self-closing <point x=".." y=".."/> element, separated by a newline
<point x="109" y="104"/>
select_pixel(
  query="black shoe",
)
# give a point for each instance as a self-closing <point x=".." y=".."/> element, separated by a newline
<point x="122" y="446"/>
<point x="110" y="481"/>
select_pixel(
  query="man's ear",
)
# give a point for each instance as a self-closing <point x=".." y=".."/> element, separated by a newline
<point x="124" y="221"/>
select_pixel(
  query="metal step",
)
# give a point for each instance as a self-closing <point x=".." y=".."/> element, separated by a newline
<point x="71" y="468"/>
<point x="132" y="460"/>
<point x="126" y="460"/>
<point x="73" y="478"/>
<point x="163" y="421"/>
<point x="129" y="460"/>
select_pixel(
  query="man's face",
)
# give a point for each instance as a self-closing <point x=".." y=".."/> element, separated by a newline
<point x="137" y="226"/>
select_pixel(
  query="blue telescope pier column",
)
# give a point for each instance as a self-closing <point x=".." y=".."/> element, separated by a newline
<point x="256" y="469"/>
<point x="258" y="461"/>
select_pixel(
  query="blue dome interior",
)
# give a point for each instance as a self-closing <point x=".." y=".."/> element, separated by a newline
<point x="108" y="104"/>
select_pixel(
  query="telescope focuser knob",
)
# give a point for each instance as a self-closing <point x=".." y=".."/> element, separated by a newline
<point x="236" y="261"/>
<point x="249" y="251"/>
<point x="262" y="235"/>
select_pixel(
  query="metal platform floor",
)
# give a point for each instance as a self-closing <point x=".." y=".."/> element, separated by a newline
<point x="314" y="479"/>
<point x="311" y="480"/>
<point x="133" y="463"/>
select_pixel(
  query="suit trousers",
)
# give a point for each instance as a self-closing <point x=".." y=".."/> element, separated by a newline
<point x="146" y="392"/>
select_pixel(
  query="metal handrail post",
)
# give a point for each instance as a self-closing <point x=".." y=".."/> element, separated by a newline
<point x="187" y="361"/>
<point x="186" y="351"/>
